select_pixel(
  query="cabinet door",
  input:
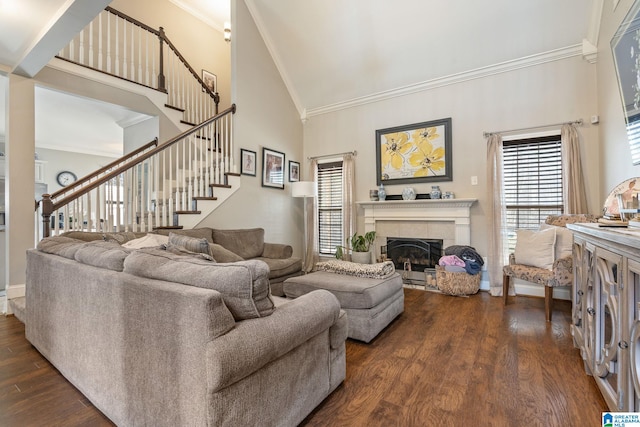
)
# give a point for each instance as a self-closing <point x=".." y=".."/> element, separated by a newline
<point x="631" y="333"/>
<point x="606" y="363"/>
<point x="582" y="260"/>
<point x="588" y="309"/>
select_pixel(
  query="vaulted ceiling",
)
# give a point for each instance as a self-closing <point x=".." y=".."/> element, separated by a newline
<point x="334" y="53"/>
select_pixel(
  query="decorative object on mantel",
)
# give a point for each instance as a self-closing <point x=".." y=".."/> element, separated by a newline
<point x="373" y="195"/>
<point x="408" y="193"/>
<point x="419" y="152"/>
<point x="448" y="195"/>
<point x="435" y="192"/>
<point x="382" y="193"/>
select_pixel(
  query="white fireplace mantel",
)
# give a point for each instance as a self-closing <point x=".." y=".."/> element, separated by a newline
<point x="447" y="210"/>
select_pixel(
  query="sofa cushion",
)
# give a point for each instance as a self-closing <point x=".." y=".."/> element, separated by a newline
<point x="85" y="236"/>
<point x="248" y="242"/>
<point x="192" y="244"/>
<point x="220" y="254"/>
<point x="198" y="233"/>
<point x="282" y="267"/>
<point x="536" y="248"/>
<point x="180" y="250"/>
<point x="107" y="255"/>
<point x="244" y="285"/>
<point x="60" y="245"/>
<point x="122" y="237"/>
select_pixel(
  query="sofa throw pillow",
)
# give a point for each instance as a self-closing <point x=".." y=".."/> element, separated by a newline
<point x="180" y="250"/>
<point x="193" y="244"/>
<point x="564" y="240"/>
<point x="221" y="254"/>
<point x="247" y="242"/>
<point x="148" y="241"/>
<point x="536" y="248"/>
<point x="199" y="233"/>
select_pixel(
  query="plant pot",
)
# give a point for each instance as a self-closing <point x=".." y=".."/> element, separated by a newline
<point x="361" y="257"/>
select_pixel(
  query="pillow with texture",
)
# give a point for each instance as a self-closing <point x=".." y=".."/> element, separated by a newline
<point x="180" y="250"/>
<point x="221" y="254"/>
<point x="564" y="240"/>
<point x="148" y="241"/>
<point x="536" y="248"/>
<point x="192" y="244"/>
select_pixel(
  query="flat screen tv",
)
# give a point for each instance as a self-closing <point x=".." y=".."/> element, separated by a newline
<point x="625" y="46"/>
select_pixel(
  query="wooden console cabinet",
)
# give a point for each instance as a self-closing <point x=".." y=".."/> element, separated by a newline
<point x="606" y="310"/>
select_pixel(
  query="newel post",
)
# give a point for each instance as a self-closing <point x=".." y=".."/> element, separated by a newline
<point x="161" y="83"/>
<point x="47" y="210"/>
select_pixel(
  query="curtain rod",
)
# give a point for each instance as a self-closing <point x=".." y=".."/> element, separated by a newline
<point x="353" y="153"/>
<point x="575" y="122"/>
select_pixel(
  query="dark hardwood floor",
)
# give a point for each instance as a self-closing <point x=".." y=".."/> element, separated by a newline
<point x="445" y="361"/>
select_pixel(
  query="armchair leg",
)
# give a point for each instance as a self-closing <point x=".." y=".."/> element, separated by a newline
<point x="548" y="302"/>
<point x="505" y="288"/>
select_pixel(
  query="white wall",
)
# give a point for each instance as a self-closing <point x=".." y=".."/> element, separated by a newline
<point x="266" y="117"/>
<point x="615" y="165"/>
<point x="550" y="93"/>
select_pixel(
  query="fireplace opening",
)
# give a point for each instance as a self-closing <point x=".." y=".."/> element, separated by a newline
<point x="413" y="253"/>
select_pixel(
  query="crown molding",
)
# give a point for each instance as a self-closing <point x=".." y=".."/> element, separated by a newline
<point x="478" y="73"/>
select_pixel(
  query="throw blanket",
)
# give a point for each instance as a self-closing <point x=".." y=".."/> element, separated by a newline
<point x="466" y="253"/>
<point x="381" y="270"/>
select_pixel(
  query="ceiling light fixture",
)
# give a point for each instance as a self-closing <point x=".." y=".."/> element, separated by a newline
<point x="227" y="32"/>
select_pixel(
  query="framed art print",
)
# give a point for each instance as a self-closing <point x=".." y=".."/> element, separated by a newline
<point x="272" y="168"/>
<point x="415" y="153"/>
<point x="248" y="162"/>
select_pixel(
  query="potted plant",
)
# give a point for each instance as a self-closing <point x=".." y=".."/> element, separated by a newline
<point x="360" y="246"/>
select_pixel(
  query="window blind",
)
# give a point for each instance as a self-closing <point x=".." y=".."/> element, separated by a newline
<point x="329" y="207"/>
<point x="532" y="182"/>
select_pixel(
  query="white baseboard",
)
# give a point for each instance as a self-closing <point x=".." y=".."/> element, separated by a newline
<point x="528" y="289"/>
<point x="15" y="291"/>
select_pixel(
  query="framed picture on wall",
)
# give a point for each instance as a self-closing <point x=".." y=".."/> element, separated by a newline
<point x="210" y="81"/>
<point x="419" y="152"/>
<point x="272" y="168"/>
<point x="248" y="162"/>
<point x="294" y="171"/>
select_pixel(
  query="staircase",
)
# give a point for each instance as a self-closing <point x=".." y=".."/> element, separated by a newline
<point x="174" y="184"/>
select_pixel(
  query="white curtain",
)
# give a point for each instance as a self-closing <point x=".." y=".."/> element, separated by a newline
<point x="496" y="215"/>
<point x="348" y="212"/>
<point x="573" y="191"/>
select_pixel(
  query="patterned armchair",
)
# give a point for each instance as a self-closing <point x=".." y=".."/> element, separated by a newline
<point x="561" y="274"/>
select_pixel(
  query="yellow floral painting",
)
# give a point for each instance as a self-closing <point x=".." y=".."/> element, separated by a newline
<point x="414" y="153"/>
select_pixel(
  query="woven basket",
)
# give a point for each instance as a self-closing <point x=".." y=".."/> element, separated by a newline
<point x="451" y="283"/>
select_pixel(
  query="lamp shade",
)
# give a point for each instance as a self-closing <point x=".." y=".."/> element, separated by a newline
<point x="303" y="189"/>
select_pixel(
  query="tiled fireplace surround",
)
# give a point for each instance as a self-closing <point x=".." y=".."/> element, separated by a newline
<point x="446" y="219"/>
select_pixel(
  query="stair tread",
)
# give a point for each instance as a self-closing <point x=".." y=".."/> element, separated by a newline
<point x="173" y="107"/>
<point x="188" y="212"/>
<point x="220" y="185"/>
<point x="204" y="198"/>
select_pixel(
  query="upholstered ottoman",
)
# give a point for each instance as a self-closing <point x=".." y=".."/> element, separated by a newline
<point x="370" y="304"/>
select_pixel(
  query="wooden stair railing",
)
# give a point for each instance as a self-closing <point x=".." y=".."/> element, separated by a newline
<point x="148" y="187"/>
<point x="121" y="46"/>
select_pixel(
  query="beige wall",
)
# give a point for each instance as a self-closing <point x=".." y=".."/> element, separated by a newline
<point x="544" y="94"/>
<point x="202" y="46"/>
<point x="266" y="117"/>
<point x="615" y="165"/>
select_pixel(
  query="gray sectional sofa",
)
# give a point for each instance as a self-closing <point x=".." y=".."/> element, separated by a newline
<point x="154" y="337"/>
<point x="227" y="246"/>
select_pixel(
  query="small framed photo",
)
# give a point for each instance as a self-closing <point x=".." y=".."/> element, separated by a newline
<point x="248" y="165"/>
<point x="294" y="171"/>
<point x="272" y="168"/>
<point x="210" y="80"/>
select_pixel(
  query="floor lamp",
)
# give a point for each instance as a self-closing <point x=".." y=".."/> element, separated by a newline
<point x="304" y="189"/>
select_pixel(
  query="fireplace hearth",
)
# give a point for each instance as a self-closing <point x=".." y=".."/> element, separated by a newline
<point x="414" y="254"/>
